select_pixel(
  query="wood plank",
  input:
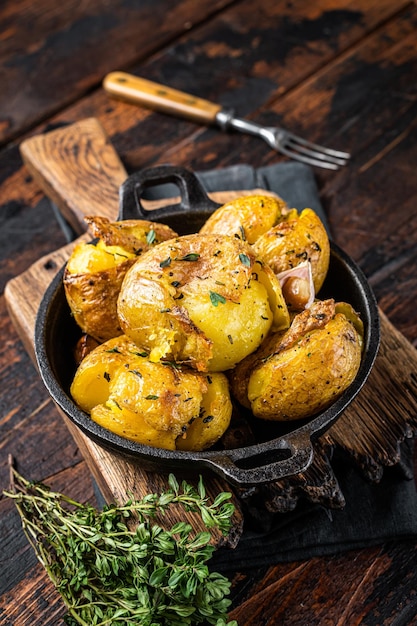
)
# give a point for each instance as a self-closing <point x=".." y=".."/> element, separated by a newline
<point x="89" y="39"/>
<point x="39" y="603"/>
<point x="275" y="71"/>
<point x="349" y="102"/>
<point x="220" y="42"/>
<point x="78" y="169"/>
<point x="343" y="105"/>
<point x="370" y="587"/>
<point x="379" y="426"/>
<point x="27" y="592"/>
<point x="142" y="138"/>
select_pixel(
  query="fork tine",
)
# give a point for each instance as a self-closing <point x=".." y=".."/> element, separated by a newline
<point x="317" y="147"/>
<point x="314" y="154"/>
<point x="297" y="156"/>
<point x="288" y="143"/>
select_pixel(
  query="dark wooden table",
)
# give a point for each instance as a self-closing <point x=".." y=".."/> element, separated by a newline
<point x="342" y="74"/>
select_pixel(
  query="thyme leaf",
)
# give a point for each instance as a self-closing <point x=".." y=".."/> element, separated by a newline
<point x="150" y="236"/>
<point x="244" y="259"/>
<point x="215" y="298"/>
<point x="191" y="256"/>
<point x="109" y="571"/>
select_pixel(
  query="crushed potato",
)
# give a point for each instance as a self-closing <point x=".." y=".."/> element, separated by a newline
<point x="182" y="325"/>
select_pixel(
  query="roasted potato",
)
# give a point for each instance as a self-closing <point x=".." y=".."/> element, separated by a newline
<point x="152" y="403"/>
<point x="174" y="313"/>
<point x="95" y="271"/>
<point x="213" y="419"/>
<point x="204" y="300"/>
<point x="299" y="372"/>
<point x="247" y="217"/>
<point x="298" y="238"/>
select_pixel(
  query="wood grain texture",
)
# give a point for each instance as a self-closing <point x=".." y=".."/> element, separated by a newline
<point x="37" y="596"/>
<point x="280" y="49"/>
<point x="346" y="590"/>
<point x="89" y="39"/>
<point x="78" y="169"/>
<point x="350" y="101"/>
<point x="370" y="430"/>
<point x="343" y="74"/>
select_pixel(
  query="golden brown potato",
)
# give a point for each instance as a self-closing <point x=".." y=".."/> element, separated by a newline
<point x="300" y="372"/>
<point x="131" y="425"/>
<point x="151" y="403"/>
<point x="246" y="217"/>
<point x="175" y="312"/>
<point x="95" y="271"/>
<point x="90" y="386"/>
<point x="205" y="300"/>
<point x="92" y="296"/>
<point x="297" y="239"/>
<point x="213" y="419"/>
<point x="134" y="236"/>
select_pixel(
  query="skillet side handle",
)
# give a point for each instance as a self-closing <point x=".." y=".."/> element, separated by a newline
<point x="193" y="197"/>
<point x="301" y="456"/>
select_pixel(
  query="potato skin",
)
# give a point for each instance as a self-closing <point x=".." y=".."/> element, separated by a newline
<point x="246" y="217"/>
<point x="213" y="419"/>
<point x="204" y="300"/>
<point x="131" y="425"/>
<point x="151" y="403"/>
<point x="95" y="271"/>
<point x="134" y="236"/>
<point x="91" y="383"/>
<point x="298" y="237"/>
<point x="92" y="299"/>
<point x="298" y="373"/>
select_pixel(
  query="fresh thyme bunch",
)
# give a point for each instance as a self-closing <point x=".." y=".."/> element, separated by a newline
<point x="108" y="573"/>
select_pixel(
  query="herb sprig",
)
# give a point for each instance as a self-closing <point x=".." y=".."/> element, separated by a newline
<point x="108" y="572"/>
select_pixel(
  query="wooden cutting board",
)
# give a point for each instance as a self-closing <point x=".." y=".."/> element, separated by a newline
<point x="77" y="167"/>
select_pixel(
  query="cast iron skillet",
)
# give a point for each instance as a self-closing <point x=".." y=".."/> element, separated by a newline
<point x="280" y="449"/>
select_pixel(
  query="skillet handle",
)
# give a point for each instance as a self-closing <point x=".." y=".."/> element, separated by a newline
<point x="231" y="464"/>
<point x="194" y="203"/>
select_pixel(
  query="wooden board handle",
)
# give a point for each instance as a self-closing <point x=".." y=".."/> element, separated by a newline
<point x="160" y="98"/>
<point x="78" y="168"/>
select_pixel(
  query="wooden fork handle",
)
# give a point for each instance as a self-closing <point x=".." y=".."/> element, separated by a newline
<point x="160" y="98"/>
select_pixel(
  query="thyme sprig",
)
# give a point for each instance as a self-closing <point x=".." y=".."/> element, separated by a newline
<point x="108" y="572"/>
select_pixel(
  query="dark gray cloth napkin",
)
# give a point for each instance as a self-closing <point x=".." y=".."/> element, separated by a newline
<point x="294" y="182"/>
<point x="374" y="513"/>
